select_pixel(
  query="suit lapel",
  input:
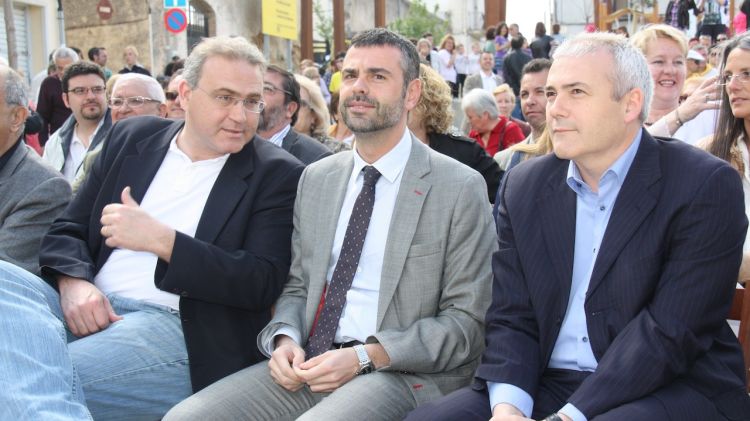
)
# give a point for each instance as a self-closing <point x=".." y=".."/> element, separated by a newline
<point x="331" y="196"/>
<point x="557" y="211"/>
<point x="227" y="191"/>
<point x="411" y="196"/>
<point x="139" y="170"/>
<point x="289" y="139"/>
<point x="634" y="202"/>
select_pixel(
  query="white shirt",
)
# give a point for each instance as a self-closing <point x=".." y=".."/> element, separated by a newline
<point x="279" y="136"/>
<point x="359" y="318"/>
<point x="176" y="197"/>
<point x="77" y="153"/>
<point x="488" y="81"/>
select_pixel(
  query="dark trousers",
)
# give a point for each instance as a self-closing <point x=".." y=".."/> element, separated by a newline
<point x="673" y="402"/>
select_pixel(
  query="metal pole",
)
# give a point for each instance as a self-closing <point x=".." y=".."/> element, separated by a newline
<point x="61" y="22"/>
<point x="267" y="46"/>
<point x="289" y="63"/>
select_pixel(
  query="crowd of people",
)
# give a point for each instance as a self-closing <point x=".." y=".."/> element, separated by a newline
<point x="233" y="240"/>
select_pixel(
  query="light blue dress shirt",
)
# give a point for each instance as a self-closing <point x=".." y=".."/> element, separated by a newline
<point x="572" y="349"/>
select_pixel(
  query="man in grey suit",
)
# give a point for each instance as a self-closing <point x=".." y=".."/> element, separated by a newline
<point x="371" y="338"/>
<point x="33" y="193"/>
<point x="283" y="101"/>
<point x="485" y="79"/>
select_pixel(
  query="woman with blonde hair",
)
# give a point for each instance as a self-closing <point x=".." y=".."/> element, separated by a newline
<point x="665" y="49"/>
<point x="430" y="121"/>
<point x="313" y="118"/>
<point x="506" y="101"/>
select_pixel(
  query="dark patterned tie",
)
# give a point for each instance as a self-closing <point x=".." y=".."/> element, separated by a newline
<point x="343" y="274"/>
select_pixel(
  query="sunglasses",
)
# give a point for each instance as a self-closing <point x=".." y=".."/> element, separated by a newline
<point x="170" y="95"/>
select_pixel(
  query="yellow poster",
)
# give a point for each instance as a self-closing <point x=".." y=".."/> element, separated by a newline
<point x="280" y="18"/>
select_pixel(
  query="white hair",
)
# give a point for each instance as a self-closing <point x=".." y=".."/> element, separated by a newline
<point x="480" y="101"/>
<point x="65" y="52"/>
<point x="153" y="88"/>
<point x="630" y="69"/>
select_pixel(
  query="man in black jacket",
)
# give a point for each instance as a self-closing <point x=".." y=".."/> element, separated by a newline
<point x="281" y="93"/>
<point x="165" y="265"/>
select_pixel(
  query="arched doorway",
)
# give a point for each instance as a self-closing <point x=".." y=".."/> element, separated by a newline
<point x="201" y="22"/>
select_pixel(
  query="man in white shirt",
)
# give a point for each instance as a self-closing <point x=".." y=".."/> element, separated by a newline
<point x="485" y="79"/>
<point x="386" y="297"/>
<point x="83" y="88"/>
<point x="165" y="265"/>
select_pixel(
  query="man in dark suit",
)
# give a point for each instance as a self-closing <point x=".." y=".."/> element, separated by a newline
<point x="282" y="97"/>
<point x="166" y="264"/>
<point x="618" y="259"/>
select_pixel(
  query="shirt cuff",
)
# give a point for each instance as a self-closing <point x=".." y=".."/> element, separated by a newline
<point x="514" y="395"/>
<point x="571" y="411"/>
<point x="289" y="331"/>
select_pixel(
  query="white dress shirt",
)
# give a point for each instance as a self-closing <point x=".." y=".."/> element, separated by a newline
<point x="176" y="197"/>
<point x="77" y="153"/>
<point x="279" y="136"/>
<point x="488" y="81"/>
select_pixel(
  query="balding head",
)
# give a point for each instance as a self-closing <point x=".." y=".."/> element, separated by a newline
<point x="135" y="95"/>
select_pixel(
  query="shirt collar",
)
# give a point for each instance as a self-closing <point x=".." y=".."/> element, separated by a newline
<point x="278" y="137"/>
<point x="392" y="163"/>
<point x="618" y="169"/>
<point x="4" y="158"/>
<point x="174" y="149"/>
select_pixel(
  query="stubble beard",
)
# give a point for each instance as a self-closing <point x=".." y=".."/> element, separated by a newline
<point x="386" y="115"/>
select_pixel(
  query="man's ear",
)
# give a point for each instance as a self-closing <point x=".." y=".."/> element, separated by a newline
<point x="291" y="108"/>
<point x="18" y="118"/>
<point x="633" y="103"/>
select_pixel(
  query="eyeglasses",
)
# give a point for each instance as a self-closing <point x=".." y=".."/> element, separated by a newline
<point x="251" y="105"/>
<point x="270" y="89"/>
<point x="132" y="102"/>
<point x="741" y="77"/>
<point x="81" y="91"/>
<point x="170" y="95"/>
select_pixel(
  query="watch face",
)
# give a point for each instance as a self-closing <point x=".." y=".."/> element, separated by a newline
<point x="365" y="369"/>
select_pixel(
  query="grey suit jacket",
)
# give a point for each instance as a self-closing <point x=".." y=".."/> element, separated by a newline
<point x="33" y="195"/>
<point x="304" y="148"/>
<point x="475" y="81"/>
<point x="435" y="284"/>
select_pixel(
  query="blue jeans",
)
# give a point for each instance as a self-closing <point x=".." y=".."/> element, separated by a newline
<point x="135" y="369"/>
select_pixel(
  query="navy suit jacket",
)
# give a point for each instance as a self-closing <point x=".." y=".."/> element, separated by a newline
<point x="229" y="275"/>
<point x="659" y="293"/>
<point x="304" y="148"/>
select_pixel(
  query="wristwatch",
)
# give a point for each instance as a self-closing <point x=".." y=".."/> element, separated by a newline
<point x="365" y="365"/>
<point x="553" y="417"/>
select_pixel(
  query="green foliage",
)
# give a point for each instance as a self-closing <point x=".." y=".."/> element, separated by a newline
<point x="419" y="20"/>
<point x="324" y="22"/>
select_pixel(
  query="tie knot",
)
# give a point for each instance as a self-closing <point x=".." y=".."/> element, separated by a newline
<point x="371" y="175"/>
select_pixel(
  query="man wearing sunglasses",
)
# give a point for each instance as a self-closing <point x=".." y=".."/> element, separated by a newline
<point x="282" y="97"/>
<point x="174" y="107"/>
<point x="85" y="129"/>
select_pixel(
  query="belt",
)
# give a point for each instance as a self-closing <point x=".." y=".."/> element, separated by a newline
<point x="345" y="344"/>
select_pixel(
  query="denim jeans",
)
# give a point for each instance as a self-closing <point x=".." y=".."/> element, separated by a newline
<point x="137" y="368"/>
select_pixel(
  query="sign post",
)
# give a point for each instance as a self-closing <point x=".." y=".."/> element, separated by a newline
<point x="175" y="20"/>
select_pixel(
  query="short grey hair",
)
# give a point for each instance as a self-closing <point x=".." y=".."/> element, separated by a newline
<point x="153" y="88"/>
<point x="480" y="101"/>
<point x="65" y="52"/>
<point x="232" y="48"/>
<point x="629" y="71"/>
<point x="16" y="90"/>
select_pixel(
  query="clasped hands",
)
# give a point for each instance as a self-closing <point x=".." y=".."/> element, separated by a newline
<point x="324" y="373"/>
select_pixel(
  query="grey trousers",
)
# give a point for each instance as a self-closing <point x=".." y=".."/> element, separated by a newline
<point x="251" y="394"/>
